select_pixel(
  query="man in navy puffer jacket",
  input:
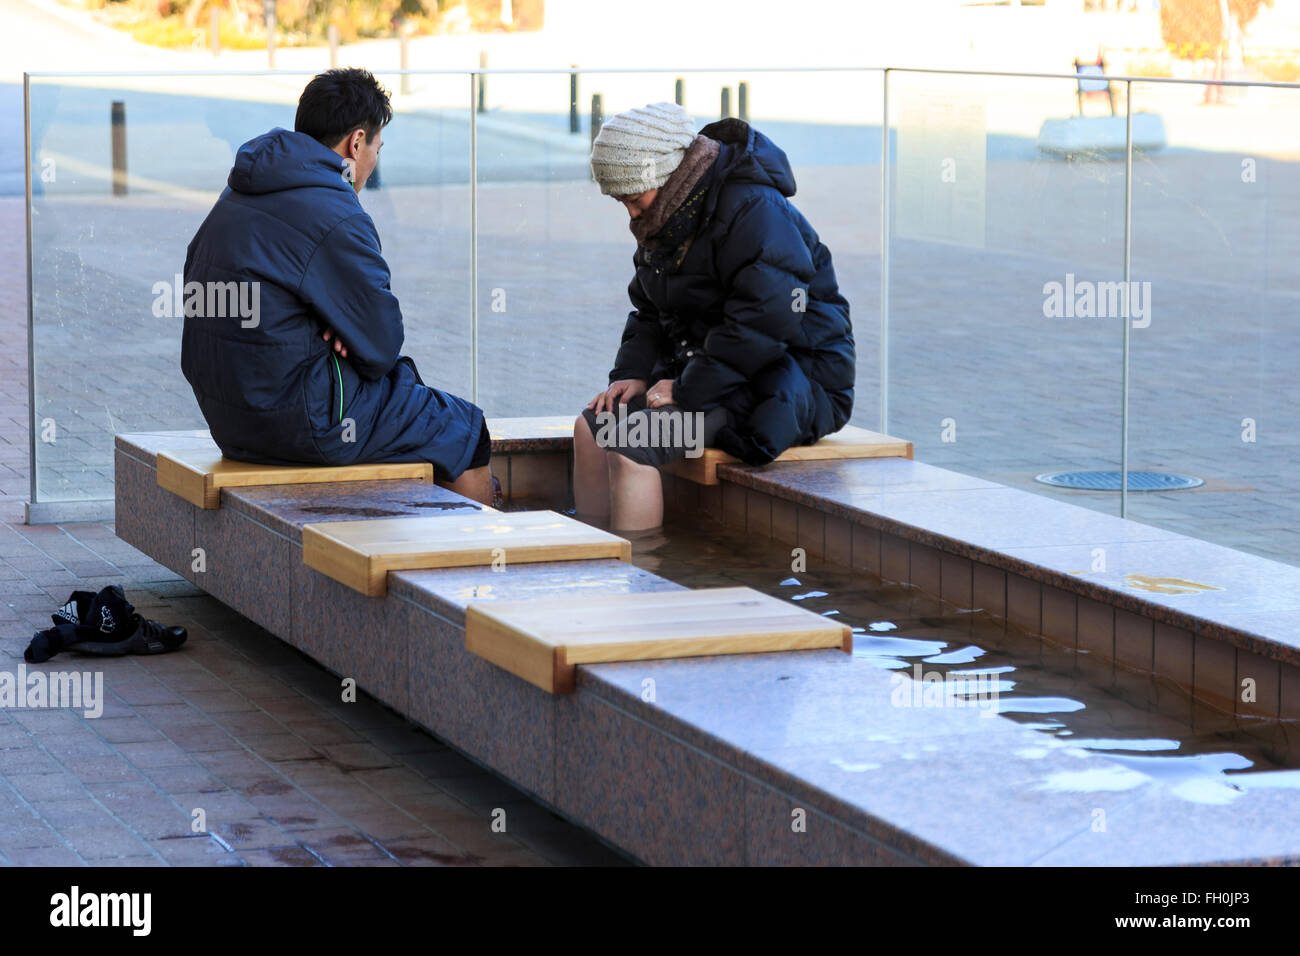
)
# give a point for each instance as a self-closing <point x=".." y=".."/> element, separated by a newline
<point x="316" y="375"/>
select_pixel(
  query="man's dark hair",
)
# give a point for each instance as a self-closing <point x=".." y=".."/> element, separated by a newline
<point x="337" y="102"/>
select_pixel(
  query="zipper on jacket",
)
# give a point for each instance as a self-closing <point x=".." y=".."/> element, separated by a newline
<point x="339" y="373"/>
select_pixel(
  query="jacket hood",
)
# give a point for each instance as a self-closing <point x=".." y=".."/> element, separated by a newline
<point x="747" y="156"/>
<point x="283" y="159"/>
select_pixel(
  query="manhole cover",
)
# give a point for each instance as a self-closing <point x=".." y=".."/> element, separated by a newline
<point x="1110" y="480"/>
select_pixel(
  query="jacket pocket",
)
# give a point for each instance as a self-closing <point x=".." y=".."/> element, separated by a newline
<point x="336" y="389"/>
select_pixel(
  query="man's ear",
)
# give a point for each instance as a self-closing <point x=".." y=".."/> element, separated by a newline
<point x="356" y="139"/>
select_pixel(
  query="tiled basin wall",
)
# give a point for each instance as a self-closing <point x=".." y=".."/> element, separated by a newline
<point x="1207" y="662"/>
<point x="1121" y="637"/>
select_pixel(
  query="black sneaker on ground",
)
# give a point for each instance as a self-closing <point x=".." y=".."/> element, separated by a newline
<point x="105" y="624"/>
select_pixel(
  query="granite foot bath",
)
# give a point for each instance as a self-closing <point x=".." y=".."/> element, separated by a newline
<point x="1001" y="706"/>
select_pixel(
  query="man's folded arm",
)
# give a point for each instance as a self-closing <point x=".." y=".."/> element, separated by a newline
<point x="347" y="283"/>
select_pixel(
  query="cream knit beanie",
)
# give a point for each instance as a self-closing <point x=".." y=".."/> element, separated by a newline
<point x="638" y="150"/>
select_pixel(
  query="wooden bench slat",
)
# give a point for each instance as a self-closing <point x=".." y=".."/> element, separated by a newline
<point x="361" y="553"/>
<point x="198" y="474"/>
<point x="542" y="641"/>
<point x="848" y="442"/>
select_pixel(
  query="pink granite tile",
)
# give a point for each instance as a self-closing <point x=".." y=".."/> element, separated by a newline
<point x="866" y="549"/>
<point x="1059" y="616"/>
<point x="989" y="589"/>
<point x="810" y="530"/>
<point x="895" y="558"/>
<point x="925" y="568"/>
<point x="1257" y="677"/>
<point x="758" y="513"/>
<point x="839" y="541"/>
<point x="734" y="513"/>
<point x="665" y="803"/>
<point x="1024" y="603"/>
<point x="1215" y="673"/>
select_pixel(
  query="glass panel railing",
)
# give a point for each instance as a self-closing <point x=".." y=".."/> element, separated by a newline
<point x="1212" y="391"/>
<point x="993" y="371"/>
<point x="1005" y="245"/>
<point x="104" y="359"/>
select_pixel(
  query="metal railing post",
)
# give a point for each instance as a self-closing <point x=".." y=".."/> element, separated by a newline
<point x="885" y="208"/>
<point x="742" y="101"/>
<point x="1128" y="275"/>
<point x="475" y="102"/>
<point x="333" y="34"/>
<point x="32" y="430"/>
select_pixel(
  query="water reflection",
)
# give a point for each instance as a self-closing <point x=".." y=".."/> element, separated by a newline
<point x="1129" y="734"/>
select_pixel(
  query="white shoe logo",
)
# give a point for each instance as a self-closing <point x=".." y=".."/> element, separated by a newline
<point x="106" y="624"/>
<point x="69" y="613"/>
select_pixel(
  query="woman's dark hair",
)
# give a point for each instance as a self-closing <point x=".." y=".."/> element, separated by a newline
<point x="337" y="102"/>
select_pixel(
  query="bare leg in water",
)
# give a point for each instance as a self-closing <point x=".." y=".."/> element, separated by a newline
<point x="473" y="483"/>
<point x="610" y="490"/>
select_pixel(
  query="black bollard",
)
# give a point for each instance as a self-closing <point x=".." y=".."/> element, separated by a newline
<point x="679" y="92"/>
<point x="117" y="116"/>
<point x="597" y="114"/>
<point x="597" y="118"/>
<point x="573" y="99"/>
<point x="726" y="102"/>
<point x="742" y="97"/>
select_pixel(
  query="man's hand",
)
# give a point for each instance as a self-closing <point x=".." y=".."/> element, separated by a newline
<point x="338" y="343"/>
<point x="661" y="394"/>
<point x="624" y="390"/>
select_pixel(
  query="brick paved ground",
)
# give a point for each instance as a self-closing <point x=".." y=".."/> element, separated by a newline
<point x="238" y="724"/>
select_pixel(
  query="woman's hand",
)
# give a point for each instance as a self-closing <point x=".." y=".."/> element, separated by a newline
<point x="624" y="390"/>
<point x="338" y="343"/>
<point x="661" y="394"/>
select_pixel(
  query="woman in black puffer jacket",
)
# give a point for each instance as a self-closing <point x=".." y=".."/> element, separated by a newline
<point x="736" y="312"/>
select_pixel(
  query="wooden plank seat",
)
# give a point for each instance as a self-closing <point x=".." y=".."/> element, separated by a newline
<point x="543" y="640"/>
<point x="360" y="554"/>
<point x="848" y="442"/>
<point x="198" y="473"/>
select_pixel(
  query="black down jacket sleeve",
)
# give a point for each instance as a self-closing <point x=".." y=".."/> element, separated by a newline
<point x="347" y="284"/>
<point x="644" y="343"/>
<point x="765" y="266"/>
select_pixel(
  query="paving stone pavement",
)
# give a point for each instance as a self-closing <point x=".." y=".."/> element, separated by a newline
<point x="237" y="724"/>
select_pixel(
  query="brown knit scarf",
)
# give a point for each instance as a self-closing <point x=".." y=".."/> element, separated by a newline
<point x="699" y="157"/>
